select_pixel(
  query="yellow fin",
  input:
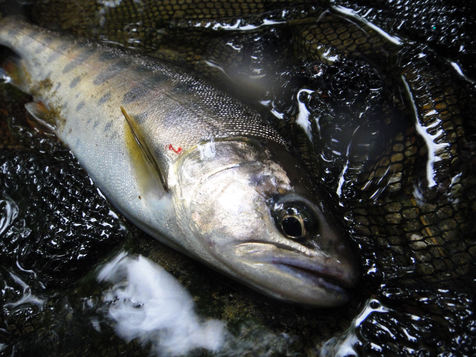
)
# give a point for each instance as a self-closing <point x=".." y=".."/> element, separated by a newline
<point x="144" y="148"/>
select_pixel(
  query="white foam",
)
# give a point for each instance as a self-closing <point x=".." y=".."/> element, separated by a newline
<point x="149" y="304"/>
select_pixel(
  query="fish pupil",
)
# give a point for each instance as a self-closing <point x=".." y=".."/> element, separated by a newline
<point x="292" y="227"/>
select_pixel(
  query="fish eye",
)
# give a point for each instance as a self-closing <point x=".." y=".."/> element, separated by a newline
<point x="295" y="219"/>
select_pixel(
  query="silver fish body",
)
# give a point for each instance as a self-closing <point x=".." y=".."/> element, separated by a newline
<point x="188" y="164"/>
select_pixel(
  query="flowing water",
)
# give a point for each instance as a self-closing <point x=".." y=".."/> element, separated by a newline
<point x="376" y="97"/>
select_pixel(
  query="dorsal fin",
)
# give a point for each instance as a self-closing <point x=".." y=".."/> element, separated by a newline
<point x="144" y="148"/>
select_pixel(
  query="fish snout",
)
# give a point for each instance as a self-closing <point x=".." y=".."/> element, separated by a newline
<point x="291" y="275"/>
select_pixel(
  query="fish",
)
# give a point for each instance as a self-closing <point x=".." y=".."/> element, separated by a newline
<point x="188" y="164"/>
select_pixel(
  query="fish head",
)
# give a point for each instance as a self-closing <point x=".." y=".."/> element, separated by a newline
<point x="246" y="208"/>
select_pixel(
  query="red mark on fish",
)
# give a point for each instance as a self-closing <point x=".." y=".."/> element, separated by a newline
<point x="177" y="151"/>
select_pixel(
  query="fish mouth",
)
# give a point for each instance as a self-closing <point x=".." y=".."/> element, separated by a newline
<point x="331" y="275"/>
<point x="328" y="277"/>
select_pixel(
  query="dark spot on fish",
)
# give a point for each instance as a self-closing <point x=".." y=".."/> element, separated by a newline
<point x="81" y="57"/>
<point x="75" y="82"/>
<point x="96" y="123"/>
<point x="183" y="88"/>
<point x="40" y="49"/>
<point x="159" y="78"/>
<point x="70" y="65"/>
<point x="108" y="125"/>
<point x="13" y="31"/>
<point x="142" y="68"/>
<point x="110" y="72"/>
<point x="140" y="118"/>
<point x="43" y="43"/>
<point x="107" y="56"/>
<point x="135" y="94"/>
<point x="27" y="40"/>
<point x="54" y="56"/>
<point x="58" y="52"/>
<point x="80" y="106"/>
<point x="105" y="98"/>
<point x="48" y="39"/>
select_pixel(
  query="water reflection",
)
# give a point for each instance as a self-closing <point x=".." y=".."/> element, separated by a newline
<point x="149" y="304"/>
<point x="345" y="345"/>
<point x="27" y="297"/>
<point x="8" y="213"/>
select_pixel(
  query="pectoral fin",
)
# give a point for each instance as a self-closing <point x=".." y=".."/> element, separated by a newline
<point x="42" y="114"/>
<point x="143" y="147"/>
